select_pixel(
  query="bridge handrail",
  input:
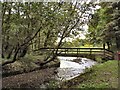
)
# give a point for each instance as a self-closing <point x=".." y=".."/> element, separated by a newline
<point x="70" y="48"/>
<point x="80" y="49"/>
<point x="101" y="51"/>
<point x="109" y="51"/>
<point x="77" y="48"/>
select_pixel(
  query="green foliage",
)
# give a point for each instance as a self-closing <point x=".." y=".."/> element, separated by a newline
<point x="104" y="25"/>
<point x="97" y="25"/>
<point x="32" y="25"/>
<point x="74" y="43"/>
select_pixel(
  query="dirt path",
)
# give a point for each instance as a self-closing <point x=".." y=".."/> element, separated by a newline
<point x="28" y="80"/>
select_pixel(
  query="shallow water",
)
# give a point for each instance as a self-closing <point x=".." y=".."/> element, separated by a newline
<point x="70" y="69"/>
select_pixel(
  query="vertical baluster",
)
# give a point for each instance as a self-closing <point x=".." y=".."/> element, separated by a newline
<point x="103" y="53"/>
<point x="77" y="52"/>
<point x="65" y="52"/>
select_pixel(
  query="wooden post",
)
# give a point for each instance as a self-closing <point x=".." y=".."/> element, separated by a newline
<point x="77" y="52"/>
<point x="57" y="51"/>
<point x="90" y="51"/>
<point x="104" y="50"/>
<point x="65" y="52"/>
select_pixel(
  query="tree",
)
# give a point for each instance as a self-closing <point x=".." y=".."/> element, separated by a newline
<point x="29" y="26"/>
<point x="104" y="24"/>
<point x="18" y="25"/>
<point x="112" y="30"/>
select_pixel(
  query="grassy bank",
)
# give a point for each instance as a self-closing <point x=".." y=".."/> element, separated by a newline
<point x="104" y="75"/>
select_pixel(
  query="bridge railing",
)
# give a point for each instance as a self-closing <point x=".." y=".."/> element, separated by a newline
<point x="109" y="53"/>
<point x="81" y="50"/>
<point x="90" y="51"/>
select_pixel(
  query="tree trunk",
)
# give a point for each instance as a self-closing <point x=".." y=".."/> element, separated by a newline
<point x="108" y="44"/>
<point x="10" y="53"/>
<point x="23" y="52"/>
<point x="59" y="44"/>
<point x="14" y="58"/>
<point x="2" y="55"/>
<point x="118" y="43"/>
<point x="104" y="45"/>
<point x="51" y="59"/>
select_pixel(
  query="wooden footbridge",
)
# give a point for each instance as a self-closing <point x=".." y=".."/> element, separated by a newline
<point x="82" y="52"/>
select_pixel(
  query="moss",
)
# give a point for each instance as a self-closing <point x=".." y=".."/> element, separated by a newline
<point x="21" y="65"/>
<point x="28" y="63"/>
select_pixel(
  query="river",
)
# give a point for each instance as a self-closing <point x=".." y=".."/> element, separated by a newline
<point x="71" y="67"/>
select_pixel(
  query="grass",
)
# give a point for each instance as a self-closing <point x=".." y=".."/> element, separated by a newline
<point x="104" y="75"/>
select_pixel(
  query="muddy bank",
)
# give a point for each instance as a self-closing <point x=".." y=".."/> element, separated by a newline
<point x="29" y="80"/>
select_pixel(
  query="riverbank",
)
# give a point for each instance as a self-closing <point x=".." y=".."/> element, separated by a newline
<point x="104" y="75"/>
<point x="35" y="79"/>
<point x="27" y="64"/>
<point x="27" y="73"/>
